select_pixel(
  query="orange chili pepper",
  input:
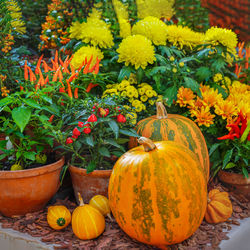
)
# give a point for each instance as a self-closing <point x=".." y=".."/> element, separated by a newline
<point x="45" y="66"/>
<point x="56" y="59"/>
<point x="46" y="80"/>
<point x="69" y="89"/>
<point x="51" y="118"/>
<point x="38" y="64"/>
<point x="72" y="77"/>
<point x="32" y="75"/>
<point x="72" y="69"/>
<point x="86" y="68"/>
<point x="54" y="65"/>
<point x="83" y="63"/>
<point x="56" y="75"/>
<point x="97" y="66"/>
<point x="62" y="90"/>
<point x="90" y="86"/>
<point x="61" y="61"/>
<point x="26" y="75"/>
<point x="41" y="77"/>
<point x="60" y="75"/>
<point x="21" y="88"/>
<point x="76" y="93"/>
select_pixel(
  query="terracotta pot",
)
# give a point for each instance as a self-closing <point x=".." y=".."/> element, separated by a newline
<point x="25" y="191"/>
<point x="235" y="182"/>
<point x="89" y="185"/>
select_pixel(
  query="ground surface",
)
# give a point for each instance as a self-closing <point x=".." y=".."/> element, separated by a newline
<point x="208" y="236"/>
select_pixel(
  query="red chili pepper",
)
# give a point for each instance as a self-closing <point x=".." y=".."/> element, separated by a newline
<point x="87" y="130"/>
<point x="92" y="118"/>
<point x="69" y="141"/>
<point x="76" y="93"/>
<point x="21" y="88"/>
<point x="38" y="64"/>
<point x="69" y="90"/>
<point x="51" y="118"/>
<point x="121" y="118"/>
<point x="62" y="90"/>
<point x="235" y="129"/>
<point x="72" y="77"/>
<point x="90" y="86"/>
<point x="76" y="133"/>
<point x="225" y="137"/>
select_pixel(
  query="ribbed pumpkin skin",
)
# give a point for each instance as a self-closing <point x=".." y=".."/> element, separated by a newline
<point x="58" y="212"/>
<point x="219" y="207"/>
<point x="158" y="197"/>
<point x="175" y="128"/>
<point x="87" y="222"/>
<point x="101" y="203"/>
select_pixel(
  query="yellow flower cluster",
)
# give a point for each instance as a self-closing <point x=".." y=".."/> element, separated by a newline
<point x="222" y="36"/>
<point x="136" y="50"/>
<point x="6" y="43"/>
<point x="224" y="81"/>
<point x="95" y="31"/>
<point x="123" y="18"/>
<point x="16" y="22"/>
<point x="156" y="8"/>
<point x="4" y="91"/>
<point x="183" y="36"/>
<point x="227" y="109"/>
<point x="86" y="51"/>
<point x="138" y="95"/>
<point x="152" y="28"/>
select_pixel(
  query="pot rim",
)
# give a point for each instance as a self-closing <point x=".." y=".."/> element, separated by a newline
<point x="96" y="172"/>
<point x="33" y="171"/>
<point x="233" y="178"/>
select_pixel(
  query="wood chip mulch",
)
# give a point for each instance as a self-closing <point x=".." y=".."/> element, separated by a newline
<point x="208" y="236"/>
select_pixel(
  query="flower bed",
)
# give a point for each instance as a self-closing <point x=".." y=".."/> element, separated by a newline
<point x="208" y="235"/>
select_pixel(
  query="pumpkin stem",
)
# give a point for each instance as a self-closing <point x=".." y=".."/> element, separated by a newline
<point x="109" y="216"/>
<point x="80" y="199"/>
<point x="161" y="112"/>
<point x="147" y="144"/>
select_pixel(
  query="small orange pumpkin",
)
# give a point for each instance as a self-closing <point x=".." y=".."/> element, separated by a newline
<point x="87" y="222"/>
<point x="101" y="203"/>
<point x="58" y="217"/>
<point x="219" y="207"/>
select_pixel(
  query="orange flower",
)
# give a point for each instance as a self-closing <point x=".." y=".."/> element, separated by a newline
<point x="211" y="96"/>
<point x="185" y="96"/>
<point x="203" y="116"/>
<point x="226" y="109"/>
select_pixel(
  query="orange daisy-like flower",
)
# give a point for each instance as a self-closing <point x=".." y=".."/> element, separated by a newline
<point x="198" y="103"/>
<point x="203" y="116"/>
<point x="211" y="96"/>
<point x="185" y="97"/>
<point x="226" y="109"/>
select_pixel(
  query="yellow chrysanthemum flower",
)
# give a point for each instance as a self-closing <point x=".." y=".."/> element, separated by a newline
<point x="132" y="79"/>
<point x="222" y="36"/>
<point x="149" y="93"/>
<point x="75" y="30"/>
<point x="95" y="14"/>
<point x="125" y="28"/>
<point x="152" y="28"/>
<point x="86" y="51"/>
<point x="217" y="77"/>
<point x="143" y="98"/>
<point x="203" y="116"/>
<point x="210" y="96"/>
<point x="238" y="87"/>
<point x="156" y="8"/>
<point x="185" y="96"/>
<point x="141" y="91"/>
<point x="225" y="109"/>
<point x="227" y="81"/>
<point x="151" y="102"/>
<point x="136" y="50"/>
<point x="183" y="36"/>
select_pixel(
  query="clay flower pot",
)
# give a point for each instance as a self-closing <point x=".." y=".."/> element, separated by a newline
<point x="89" y="185"/>
<point x="25" y="191"/>
<point x="235" y="182"/>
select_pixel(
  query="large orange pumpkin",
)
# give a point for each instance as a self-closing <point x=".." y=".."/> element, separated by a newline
<point x="158" y="192"/>
<point x="172" y="127"/>
<point x="219" y="207"/>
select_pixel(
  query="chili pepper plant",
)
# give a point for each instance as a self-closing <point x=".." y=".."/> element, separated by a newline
<point x="232" y="152"/>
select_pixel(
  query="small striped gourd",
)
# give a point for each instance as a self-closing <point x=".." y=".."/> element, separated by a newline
<point x="219" y="207"/>
<point x="101" y="203"/>
<point x="158" y="192"/>
<point x="58" y="217"/>
<point x="172" y="127"/>
<point x="87" y="222"/>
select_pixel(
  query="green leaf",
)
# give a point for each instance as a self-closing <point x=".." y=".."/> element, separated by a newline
<point x="139" y="74"/>
<point x="219" y="64"/>
<point x="90" y="141"/>
<point x="104" y="151"/>
<point x="114" y="143"/>
<point x="3" y="144"/>
<point x="245" y="173"/>
<point x="230" y="165"/>
<point x="18" y="154"/>
<point x="21" y="116"/>
<point x="46" y="98"/>
<point x="115" y="128"/>
<point x="130" y="132"/>
<point x="2" y="156"/>
<point x="125" y="71"/>
<point x="227" y="157"/>
<point x="157" y="69"/>
<point x="162" y="60"/>
<point x="171" y="94"/>
<point x="203" y="73"/>
<point x="213" y="148"/>
<point x="30" y="155"/>
<point x="245" y="133"/>
<point x="117" y="153"/>
<point x="32" y="103"/>
<point x="193" y="85"/>
<point x="5" y="101"/>
<point x="91" y="167"/>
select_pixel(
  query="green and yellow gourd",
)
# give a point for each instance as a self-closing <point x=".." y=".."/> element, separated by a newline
<point x="173" y="127"/>
<point x="158" y="192"/>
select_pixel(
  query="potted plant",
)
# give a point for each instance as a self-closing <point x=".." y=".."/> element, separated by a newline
<point x="29" y="168"/>
<point x="96" y="137"/>
<point x="231" y="156"/>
